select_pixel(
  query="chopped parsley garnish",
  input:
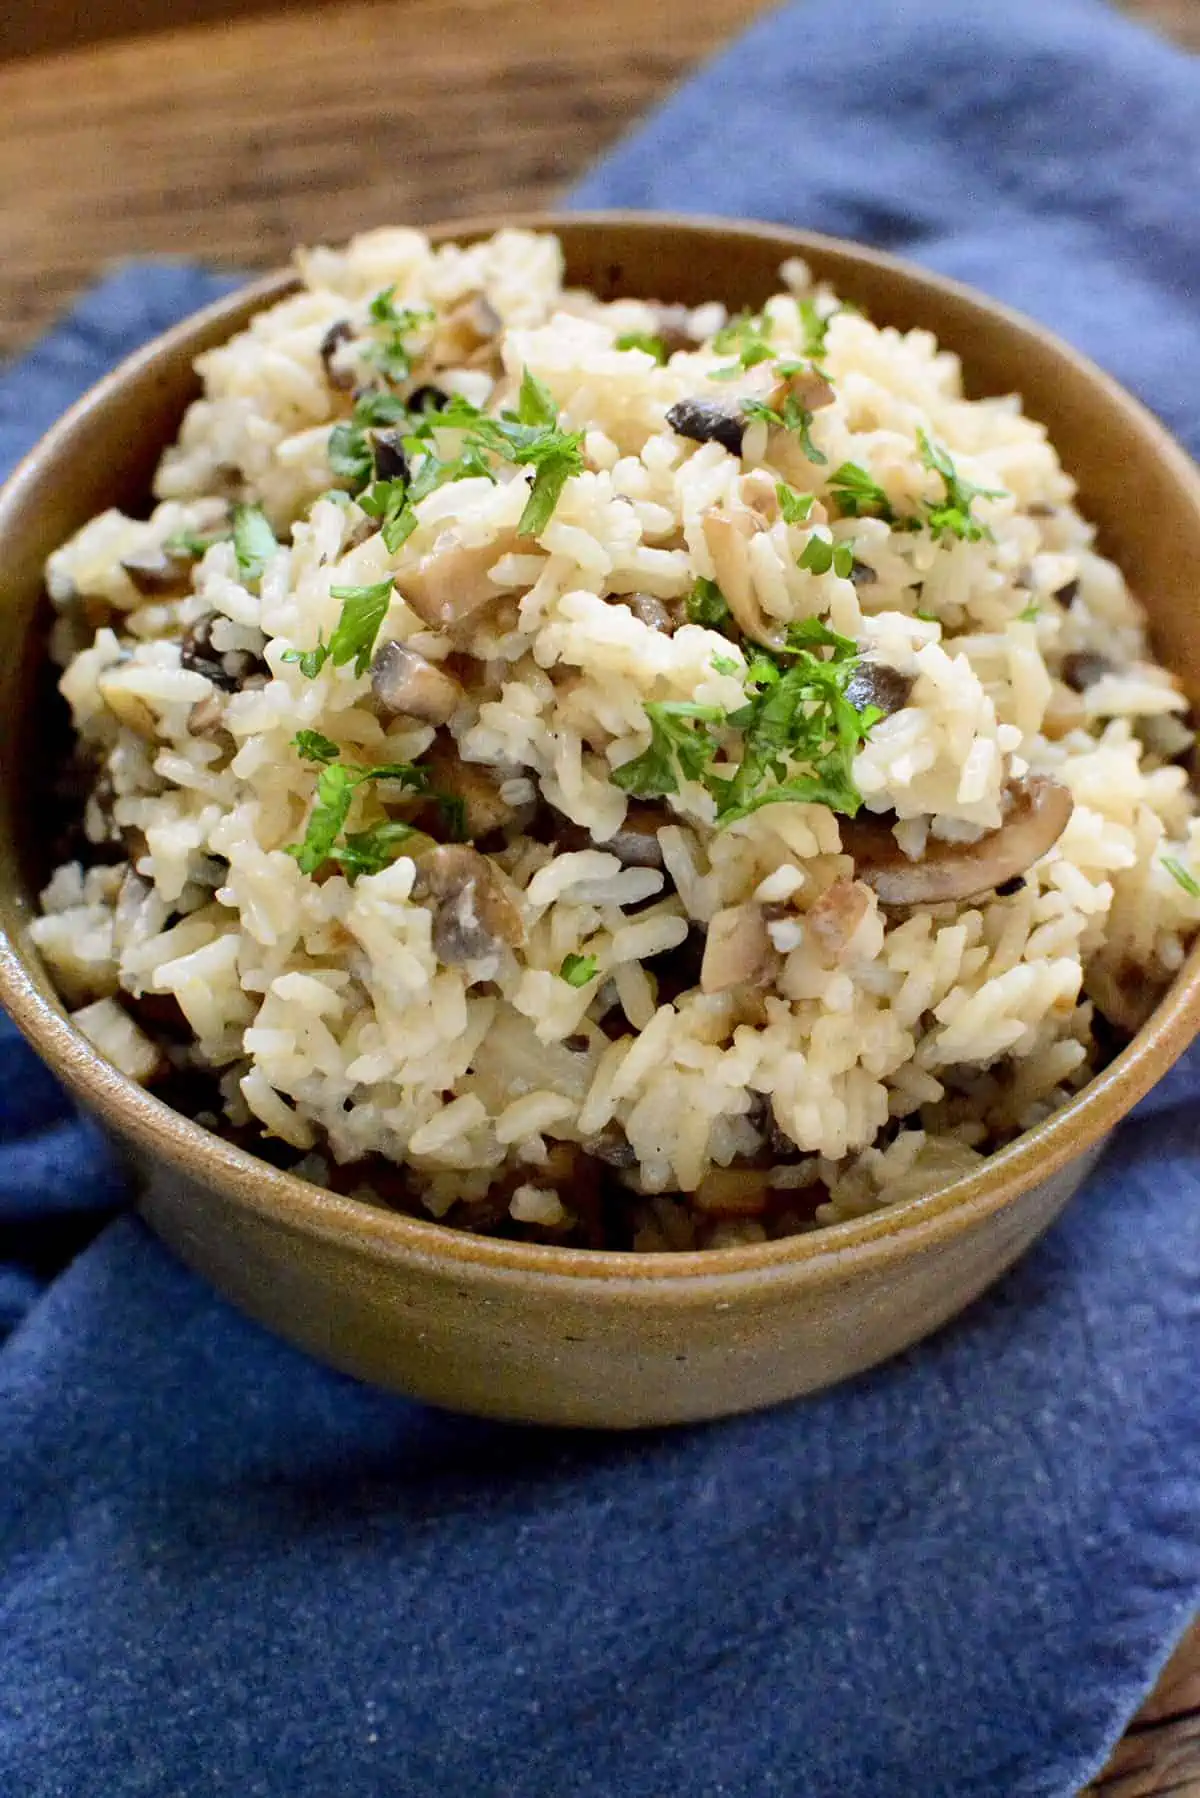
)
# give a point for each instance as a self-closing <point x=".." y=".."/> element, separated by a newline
<point x="726" y="665"/>
<point x="391" y="325"/>
<point x="795" y="507"/>
<point x="857" y="495"/>
<point x="800" y="733"/>
<point x="363" y="611"/>
<point x="577" y="970"/>
<point x="642" y="340"/>
<point x="388" y="501"/>
<point x="706" y="605"/>
<point x="794" y="418"/>
<point x="193" y="544"/>
<point x="746" y="337"/>
<point x="362" y="851"/>
<point x="1030" y="612"/>
<point x="349" y="447"/>
<point x="679" y="749"/>
<point x="314" y="747"/>
<point x="254" y="541"/>
<point x="815" y="328"/>
<point x="820" y="554"/>
<point x="952" y="515"/>
<point x="1182" y="876"/>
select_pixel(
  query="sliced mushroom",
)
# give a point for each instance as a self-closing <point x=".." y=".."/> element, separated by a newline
<point x="387" y="455"/>
<point x="880" y="685"/>
<point x="756" y="490"/>
<point x="472" y="326"/>
<point x="428" y="398"/>
<point x="728" y="534"/>
<point x="807" y="386"/>
<point x="475" y="785"/>
<point x="836" y="916"/>
<point x="475" y="910"/>
<point x="612" y="1146"/>
<point x="1083" y="671"/>
<point x="1037" y="811"/>
<point x="707" y="420"/>
<point x="450" y="586"/>
<point x="126" y="706"/>
<point x="159" y="573"/>
<point x="407" y="686"/>
<point x="738" y="950"/>
<point x="197" y="654"/>
<point x="733" y="1192"/>
<point x="1123" y="995"/>
<point x="650" y="612"/>
<point x="862" y="574"/>
<point x="673" y="327"/>
<point x="340" y="332"/>
<point x="207" y="715"/>
<point x="636" y="844"/>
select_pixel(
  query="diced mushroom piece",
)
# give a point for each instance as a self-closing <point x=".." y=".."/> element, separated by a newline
<point x="387" y="455"/>
<point x="650" y="612"/>
<point x="475" y="785"/>
<point x="1037" y="811"/>
<point x="836" y="916"/>
<point x="728" y="535"/>
<point x="198" y="655"/>
<point x="159" y="573"/>
<point x="475" y="911"/>
<point x="339" y="332"/>
<point x="673" y="327"/>
<point x="207" y="715"/>
<point x="756" y="490"/>
<point x="880" y="685"/>
<point x="1083" y="671"/>
<point x="407" y="686"/>
<point x="126" y="706"/>
<point x="468" y="328"/>
<point x="1123" y="995"/>
<point x="738" y="950"/>
<point x="733" y="1192"/>
<point x="707" y="420"/>
<point x="636" y="844"/>
<point x="450" y="586"/>
<point x="807" y="386"/>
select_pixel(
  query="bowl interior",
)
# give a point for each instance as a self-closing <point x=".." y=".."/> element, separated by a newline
<point x="1136" y="485"/>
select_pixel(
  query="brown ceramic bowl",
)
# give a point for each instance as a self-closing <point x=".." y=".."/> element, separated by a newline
<point x="569" y="1336"/>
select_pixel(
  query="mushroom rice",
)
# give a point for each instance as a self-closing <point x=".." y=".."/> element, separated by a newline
<point x="610" y="773"/>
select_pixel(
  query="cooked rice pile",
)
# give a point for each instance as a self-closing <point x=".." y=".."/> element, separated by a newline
<point x="413" y="876"/>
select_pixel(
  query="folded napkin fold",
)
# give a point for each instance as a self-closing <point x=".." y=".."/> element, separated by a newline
<point x="226" y="1569"/>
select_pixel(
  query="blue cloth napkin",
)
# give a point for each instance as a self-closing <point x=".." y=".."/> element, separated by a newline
<point x="224" y="1569"/>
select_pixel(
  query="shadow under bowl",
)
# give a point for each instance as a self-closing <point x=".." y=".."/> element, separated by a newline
<point x="576" y="1336"/>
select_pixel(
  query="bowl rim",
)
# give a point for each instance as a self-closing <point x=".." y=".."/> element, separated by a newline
<point x="829" y="1254"/>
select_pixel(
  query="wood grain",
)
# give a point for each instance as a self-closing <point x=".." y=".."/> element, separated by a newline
<point x="231" y="142"/>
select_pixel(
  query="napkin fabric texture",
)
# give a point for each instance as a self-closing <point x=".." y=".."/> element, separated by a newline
<point x="224" y="1569"/>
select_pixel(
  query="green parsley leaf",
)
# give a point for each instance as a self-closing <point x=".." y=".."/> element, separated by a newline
<point x="314" y="747"/>
<point x="815" y="328"/>
<point x="726" y="665"/>
<point x="392" y="324"/>
<point x="335" y="790"/>
<point x="535" y="403"/>
<point x="388" y="501"/>
<point x="642" y="340"/>
<point x="706" y="605"/>
<point x="369" y="851"/>
<point x="577" y="970"/>
<point x="553" y="473"/>
<point x="363" y="611"/>
<point x="193" y="544"/>
<point x="1030" y="612"/>
<point x="349" y="447"/>
<point x="253" y="541"/>
<point x="820" y="554"/>
<point x="1182" y="876"/>
<point x="810" y="633"/>
<point x="952" y="517"/>
<point x="678" y="750"/>
<point x="857" y="495"/>
<point x="794" y="418"/>
<point x="311" y="661"/>
<point x="746" y="337"/>
<point x="794" y="506"/>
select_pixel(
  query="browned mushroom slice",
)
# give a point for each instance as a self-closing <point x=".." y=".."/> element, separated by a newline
<point x="339" y="332"/>
<point x="450" y="586"/>
<point x="807" y="386"/>
<point x="673" y="327"/>
<point x="1037" y="811"/>
<point x="468" y="328"/>
<point x="407" y="686"/>
<point x="159" y="573"/>
<point x="738" y="950"/>
<point x="704" y="419"/>
<point x="835" y="917"/>
<point x="475" y="910"/>
<point x="1083" y="671"/>
<point x="1124" y="995"/>
<point x="880" y="685"/>
<point x="728" y="535"/>
<point x="207" y="715"/>
<point x="474" y="784"/>
<point x="650" y="612"/>
<point x="636" y="844"/>
<point x="733" y="1192"/>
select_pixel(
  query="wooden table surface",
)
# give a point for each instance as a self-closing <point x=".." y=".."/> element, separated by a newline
<point x="233" y="142"/>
